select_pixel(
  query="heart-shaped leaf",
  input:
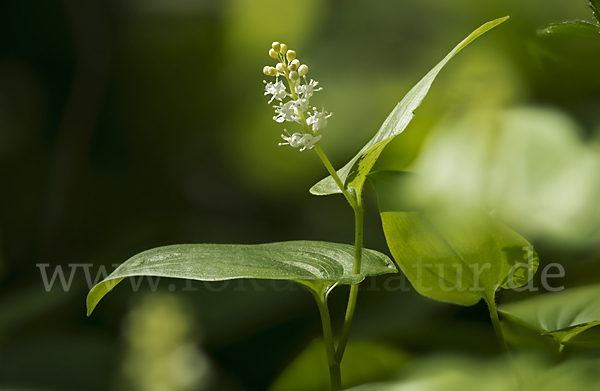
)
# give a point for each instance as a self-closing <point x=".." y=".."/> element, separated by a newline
<point x="453" y="255"/>
<point x="353" y="174"/>
<point x="562" y="315"/>
<point x="318" y="265"/>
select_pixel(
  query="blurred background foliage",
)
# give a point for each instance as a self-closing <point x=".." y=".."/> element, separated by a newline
<point x="131" y="124"/>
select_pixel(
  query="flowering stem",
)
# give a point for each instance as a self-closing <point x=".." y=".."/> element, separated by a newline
<point x="358" y="241"/>
<point x="356" y="205"/>
<point x="353" y="203"/>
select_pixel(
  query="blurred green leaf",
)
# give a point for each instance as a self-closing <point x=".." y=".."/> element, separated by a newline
<point x="590" y="339"/>
<point x="520" y="335"/>
<point x="452" y="255"/>
<point x="353" y="174"/>
<point x="577" y="28"/>
<point x="562" y="315"/>
<point x="528" y="164"/>
<point x="363" y="362"/>
<point x="318" y="265"/>
<point x="456" y="373"/>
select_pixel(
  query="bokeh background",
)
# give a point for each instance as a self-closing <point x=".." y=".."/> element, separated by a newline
<point x="130" y="124"/>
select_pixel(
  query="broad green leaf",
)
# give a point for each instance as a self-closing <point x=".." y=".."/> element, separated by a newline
<point x="318" y="265"/>
<point x="453" y="255"/>
<point x="363" y="362"/>
<point x="353" y="174"/>
<point x="562" y="315"/>
<point x="576" y="29"/>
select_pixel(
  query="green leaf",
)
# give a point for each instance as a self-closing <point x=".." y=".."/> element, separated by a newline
<point x="595" y="6"/>
<point x="590" y="339"/>
<point x="318" y="265"/>
<point x="562" y="315"/>
<point x="353" y="174"/>
<point x="460" y="373"/>
<point x="575" y="29"/>
<point x="363" y="362"/>
<point x="453" y="255"/>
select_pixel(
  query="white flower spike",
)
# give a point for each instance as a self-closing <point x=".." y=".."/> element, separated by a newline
<point x="296" y="108"/>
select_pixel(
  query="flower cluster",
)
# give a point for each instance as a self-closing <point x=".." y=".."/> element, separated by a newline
<point x="296" y="108"/>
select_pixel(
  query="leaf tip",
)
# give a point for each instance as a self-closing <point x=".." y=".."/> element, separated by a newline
<point x="89" y="305"/>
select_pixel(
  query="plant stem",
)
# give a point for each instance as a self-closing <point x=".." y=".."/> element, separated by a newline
<point x="317" y="148"/>
<point x="501" y="340"/>
<point x="356" y="205"/>
<point x="334" y="365"/>
<point x="496" y="323"/>
<point x="358" y="242"/>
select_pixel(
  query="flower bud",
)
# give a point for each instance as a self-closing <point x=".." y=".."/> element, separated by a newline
<point x="294" y="76"/>
<point x="273" y="53"/>
<point x="272" y="71"/>
<point x="290" y="55"/>
<point x="280" y="68"/>
<point x="283" y="48"/>
<point x="266" y="70"/>
<point x="276" y="46"/>
<point x="302" y="70"/>
<point x="297" y="62"/>
<point x="293" y="67"/>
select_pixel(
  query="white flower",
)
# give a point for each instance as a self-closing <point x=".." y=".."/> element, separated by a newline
<point x="306" y="141"/>
<point x="286" y="112"/>
<point x="301" y="105"/>
<point x="307" y="90"/>
<point x="277" y="90"/>
<point x="318" y="120"/>
<point x="293" y="140"/>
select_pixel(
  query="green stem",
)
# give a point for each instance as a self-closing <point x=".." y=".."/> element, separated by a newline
<point x="496" y="323"/>
<point x="334" y="365"/>
<point x="358" y="242"/>
<point x="317" y="148"/>
<point x="491" y="302"/>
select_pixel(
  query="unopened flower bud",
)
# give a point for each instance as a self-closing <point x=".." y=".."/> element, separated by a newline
<point x="266" y="70"/>
<point x="276" y="46"/>
<point x="280" y="68"/>
<point x="283" y="48"/>
<point x="293" y="67"/>
<point x="294" y="76"/>
<point x="302" y="70"/>
<point x="290" y="55"/>
<point x="272" y="71"/>
<point x="273" y="53"/>
<point x="297" y="62"/>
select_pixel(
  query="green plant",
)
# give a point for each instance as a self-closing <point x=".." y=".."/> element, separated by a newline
<point x="457" y="254"/>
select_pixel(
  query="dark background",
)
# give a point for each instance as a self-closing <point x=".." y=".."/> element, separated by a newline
<point x="126" y="125"/>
